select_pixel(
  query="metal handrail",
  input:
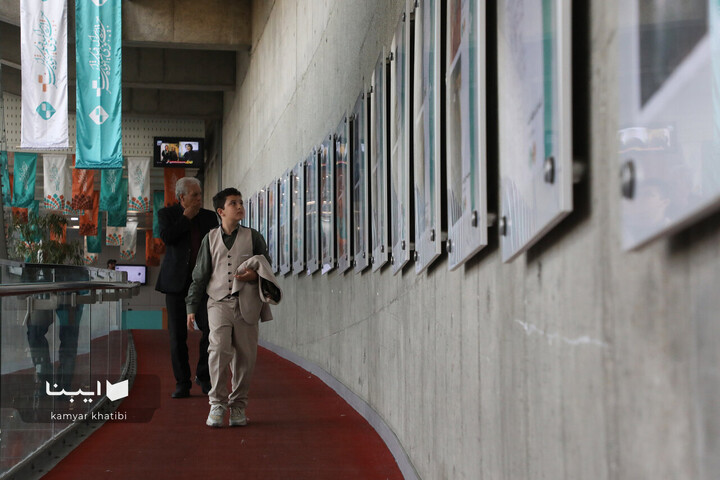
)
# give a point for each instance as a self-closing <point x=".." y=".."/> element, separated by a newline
<point x="48" y="287"/>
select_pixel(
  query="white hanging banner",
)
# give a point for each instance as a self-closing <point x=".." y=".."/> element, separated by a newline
<point x="43" y="36"/>
<point x="114" y="236"/>
<point x="129" y="241"/>
<point x="139" y="184"/>
<point x="57" y="182"/>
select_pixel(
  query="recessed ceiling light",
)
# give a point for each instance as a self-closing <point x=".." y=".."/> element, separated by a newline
<point x="75" y="219"/>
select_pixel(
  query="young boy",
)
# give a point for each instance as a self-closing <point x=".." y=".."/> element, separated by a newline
<point x="233" y="340"/>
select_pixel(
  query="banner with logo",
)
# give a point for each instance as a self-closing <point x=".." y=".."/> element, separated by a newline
<point x="57" y="182"/>
<point x="158" y="201"/>
<point x="114" y="236"/>
<point x="5" y="179"/>
<point x="172" y="175"/>
<point x="111" y="197"/>
<point x="139" y="184"/>
<point x="82" y="189"/>
<point x="24" y="174"/>
<point x="89" y="220"/>
<point x="43" y="36"/>
<point x="98" y="53"/>
<point x="129" y="241"/>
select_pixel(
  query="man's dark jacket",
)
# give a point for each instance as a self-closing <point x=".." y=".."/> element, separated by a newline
<point x="176" y="271"/>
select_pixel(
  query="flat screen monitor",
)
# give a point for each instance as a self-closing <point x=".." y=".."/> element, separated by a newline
<point x="135" y="273"/>
<point x="185" y="152"/>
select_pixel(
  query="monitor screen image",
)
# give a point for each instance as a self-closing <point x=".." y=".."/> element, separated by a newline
<point x="183" y="152"/>
<point x="135" y="273"/>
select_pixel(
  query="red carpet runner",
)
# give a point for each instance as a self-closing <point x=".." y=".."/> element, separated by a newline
<point x="298" y="428"/>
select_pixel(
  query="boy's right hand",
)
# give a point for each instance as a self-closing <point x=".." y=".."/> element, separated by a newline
<point x="190" y="321"/>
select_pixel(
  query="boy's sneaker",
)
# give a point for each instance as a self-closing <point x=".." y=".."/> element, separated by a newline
<point x="215" y="418"/>
<point x="237" y="416"/>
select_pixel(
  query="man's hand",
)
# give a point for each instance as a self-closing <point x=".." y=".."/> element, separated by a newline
<point x="190" y="321"/>
<point x="191" y="210"/>
<point x="246" y="275"/>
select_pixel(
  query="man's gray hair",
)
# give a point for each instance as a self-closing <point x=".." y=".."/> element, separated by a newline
<point x="181" y="187"/>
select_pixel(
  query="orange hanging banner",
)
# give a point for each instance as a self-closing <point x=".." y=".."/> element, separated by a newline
<point x="82" y="188"/>
<point x="172" y="175"/>
<point x="154" y="248"/>
<point x="89" y="220"/>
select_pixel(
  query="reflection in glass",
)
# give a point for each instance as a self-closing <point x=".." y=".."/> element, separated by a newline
<point x="262" y="212"/>
<point x="465" y="130"/>
<point x="298" y="217"/>
<point x="312" y="217"/>
<point x="327" y="205"/>
<point x="399" y="162"/>
<point x="284" y="223"/>
<point x="272" y="224"/>
<point x="360" y="185"/>
<point x="426" y="151"/>
<point x="342" y="191"/>
<point x="378" y="166"/>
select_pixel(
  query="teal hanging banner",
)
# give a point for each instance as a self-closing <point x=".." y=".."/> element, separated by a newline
<point x="158" y="202"/>
<point x="24" y="179"/>
<point x="98" y="38"/>
<point x="118" y="218"/>
<point x="111" y="198"/>
<point x="5" y="179"/>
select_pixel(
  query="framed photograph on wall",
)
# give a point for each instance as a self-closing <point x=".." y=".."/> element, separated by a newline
<point x="360" y="187"/>
<point x="250" y="215"/>
<point x="669" y="116"/>
<point x="272" y="224"/>
<point x="379" y="171"/>
<point x="261" y="209"/>
<point x="534" y="93"/>
<point x="400" y="98"/>
<point x="326" y="157"/>
<point x="284" y="223"/>
<point x="313" y="254"/>
<point x="427" y="122"/>
<point x="342" y="196"/>
<point x="465" y="127"/>
<point x="297" y="187"/>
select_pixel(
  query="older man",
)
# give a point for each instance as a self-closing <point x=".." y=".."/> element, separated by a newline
<point x="182" y="228"/>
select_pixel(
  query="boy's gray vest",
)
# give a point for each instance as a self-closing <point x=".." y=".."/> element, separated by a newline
<point x="225" y="261"/>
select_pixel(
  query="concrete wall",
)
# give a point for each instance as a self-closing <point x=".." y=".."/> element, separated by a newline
<point x="576" y="361"/>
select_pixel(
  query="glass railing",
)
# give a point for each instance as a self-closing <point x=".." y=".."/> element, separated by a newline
<point x="62" y="348"/>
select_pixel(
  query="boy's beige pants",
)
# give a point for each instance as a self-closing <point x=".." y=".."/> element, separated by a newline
<point x="233" y="342"/>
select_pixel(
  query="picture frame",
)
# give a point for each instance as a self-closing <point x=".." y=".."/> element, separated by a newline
<point x="297" y="187"/>
<point x="272" y="225"/>
<point x="262" y="209"/>
<point x="343" y="202"/>
<point x="313" y="255"/>
<point x="400" y="100"/>
<point x="359" y="126"/>
<point x="427" y="124"/>
<point x="379" y="164"/>
<point x="284" y="223"/>
<point x="668" y="113"/>
<point x="465" y="127"/>
<point x="535" y="131"/>
<point x="326" y="159"/>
